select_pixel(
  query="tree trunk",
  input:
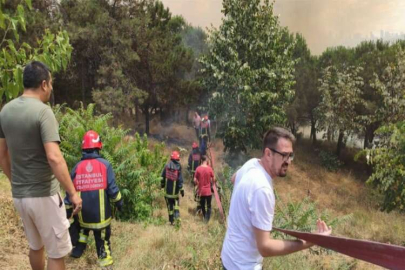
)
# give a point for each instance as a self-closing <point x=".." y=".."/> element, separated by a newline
<point x="340" y="143"/>
<point x="369" y="136"/>
<point x="147" y="118"/>
<point x="313" y="131"/>
<point x="83" y="83"/>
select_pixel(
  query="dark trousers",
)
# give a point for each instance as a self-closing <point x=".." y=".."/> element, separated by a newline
<point x="173" y="208"/>
<point x="203" y="145"/>
<point x="103" y="244"/>
<point x="205" y="202"/>
<point x="197" y="132"/>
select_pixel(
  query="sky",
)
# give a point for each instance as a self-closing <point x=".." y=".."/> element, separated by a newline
<point x="323" y="23"/>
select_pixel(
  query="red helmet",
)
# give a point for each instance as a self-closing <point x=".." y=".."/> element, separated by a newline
<point x="91" y="140"/>
<point x="195" y="145"/>
<point x="175" y="155"/>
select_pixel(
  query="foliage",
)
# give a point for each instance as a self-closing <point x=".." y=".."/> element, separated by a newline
<point x="307" y="97"/>
<point x="137" y="166"/>
<point x="388" y="159"/>
<point x="302" y="216"/>
<point x="52" y="49"/>
<point x="330" y="161"/>
<point x="341" y="94"/>
<point x="130" y="55"/>
<point x="249" y="72"/>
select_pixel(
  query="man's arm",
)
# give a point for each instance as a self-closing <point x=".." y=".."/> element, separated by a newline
<point x="269" y="247"/>
<point x="60" y="169"/>
<point x="5" y="159"/>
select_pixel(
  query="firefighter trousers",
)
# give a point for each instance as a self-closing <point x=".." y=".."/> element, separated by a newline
<point x="173" y="208"/>
<point x="103" y="244"/>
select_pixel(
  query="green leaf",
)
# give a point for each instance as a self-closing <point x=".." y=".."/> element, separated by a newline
<point x="29" y="4"/>
<point x="2" y="19"/>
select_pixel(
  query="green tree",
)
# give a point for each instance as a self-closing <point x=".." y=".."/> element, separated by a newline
<point x="130" y="54"/>
<point x="249" y="72"/>
<point x="52" y="49"/>
<point x="341" y="94"/>
<point x="374" y="58"/>
<point x="388" y="159"/>
<point x="307" y="96"/>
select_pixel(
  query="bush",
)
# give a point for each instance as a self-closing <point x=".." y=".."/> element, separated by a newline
<point x="137" y="167"/>
<point x="330" y="161"/>
<point x="388" y="159"/>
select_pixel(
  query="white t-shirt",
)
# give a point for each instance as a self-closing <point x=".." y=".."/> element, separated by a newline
<point x="252" y="205"/>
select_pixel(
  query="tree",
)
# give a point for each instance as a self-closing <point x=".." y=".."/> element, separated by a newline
<point x="388" y="159"/>
<point x="307" y="96"/>
<point x="341" y="94"/>
<point x="129" y="55"/>
<point x="379" y="61"/>
<point x="249" y="73"/>
<point x="163" y="61"/>
<point x="53" y="50"/>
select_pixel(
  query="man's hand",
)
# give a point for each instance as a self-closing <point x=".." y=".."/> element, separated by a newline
<point x="182" y="192"/>
<point x="323" y="229"/>
<point x="77" y="203"/>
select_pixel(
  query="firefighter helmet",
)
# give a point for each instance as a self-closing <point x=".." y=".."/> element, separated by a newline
<point x="91" y="140"/>
<point x="175" y="155"/>
<point x="195" y="145"/>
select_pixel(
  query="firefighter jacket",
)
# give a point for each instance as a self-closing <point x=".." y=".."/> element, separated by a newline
<point x="172" y="179"/>
<point x="194" y="160"/>
<point x="94" y="180"/>
<point x="205" y="129"/>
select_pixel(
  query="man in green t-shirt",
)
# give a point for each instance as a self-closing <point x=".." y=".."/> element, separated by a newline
<point x="31" y="159"/>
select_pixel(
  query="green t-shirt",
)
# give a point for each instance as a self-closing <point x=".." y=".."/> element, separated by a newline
<point x="26" y="123"/>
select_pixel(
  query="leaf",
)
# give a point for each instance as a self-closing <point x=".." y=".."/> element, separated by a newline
<point x="2" y="19"/>
<point x="29" y="4"/>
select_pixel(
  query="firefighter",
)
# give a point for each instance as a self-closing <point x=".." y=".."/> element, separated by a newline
<point x="194" y="160"/>
<point x="172" y="182"/>
<point x="205" y="134"/>
<point x="94" y="179"/>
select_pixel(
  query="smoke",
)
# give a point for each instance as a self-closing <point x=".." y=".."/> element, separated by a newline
<point x="326" y="23"/>
<point x="323" y="23"/>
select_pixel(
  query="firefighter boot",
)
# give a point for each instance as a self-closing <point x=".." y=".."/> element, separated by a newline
<point x="171" y="219"/>
<point x="78" y="250"/>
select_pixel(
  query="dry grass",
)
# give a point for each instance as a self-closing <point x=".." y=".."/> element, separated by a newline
<point x="197" y="245"/>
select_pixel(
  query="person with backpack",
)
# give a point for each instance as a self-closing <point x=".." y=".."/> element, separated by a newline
<point x="94" y="179"/>
<point x="172" y="183"/>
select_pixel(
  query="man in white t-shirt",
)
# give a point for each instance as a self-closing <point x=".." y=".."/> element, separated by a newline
<point x="251" y="212"/>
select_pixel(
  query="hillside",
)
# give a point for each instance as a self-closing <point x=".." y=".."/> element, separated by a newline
<point x="157" y="245"/>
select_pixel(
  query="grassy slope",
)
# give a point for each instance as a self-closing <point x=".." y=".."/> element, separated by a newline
<point x="197" y="246"/>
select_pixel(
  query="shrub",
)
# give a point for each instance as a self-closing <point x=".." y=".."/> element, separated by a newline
<point x="388" y="159"/>
<point x="137" y="166"/>
<point x="330" y="161"/>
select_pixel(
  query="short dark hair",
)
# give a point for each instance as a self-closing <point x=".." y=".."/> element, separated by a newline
<point x="272" y="136"/>
<point x="203" y="158"/>
<point x="35" y="73"/>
